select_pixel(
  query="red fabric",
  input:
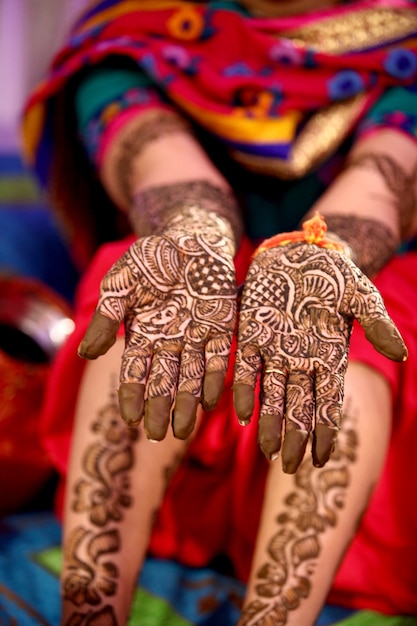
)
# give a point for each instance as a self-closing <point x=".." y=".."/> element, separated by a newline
<point x="24" y="465"/>
<point x="225" y="472"/>
<point x="379" y="571"/>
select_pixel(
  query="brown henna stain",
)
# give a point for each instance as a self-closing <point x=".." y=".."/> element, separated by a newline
<point x="372" y="243"/>
<point x="103" y="617"/>
<point x="284" y="580"/>
<point x="152" y="209"/>
<point x="153" y="127"/>
<point x="401" y="185"/>
<point x="132" y="403"/>
<point x="102" y="494"/>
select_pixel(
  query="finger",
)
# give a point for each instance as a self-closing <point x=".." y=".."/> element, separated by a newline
<point x="386" y="338"/>
<point x="217" y="360"/>
<point x="298" y="418"/>
<point x="244" y="402"/>
<point x="274" y="381"/>
<point x="157" y="417"/>
<point x="132" y="403"/>
<point x="293" y="450"/>
<point x="329" y="400"/>
<point x="191" y="372"/>
<point x="136" y="359"/>
<point x="213" y="386"/>
<point x="270" y="435"/>
<point x="185" y="414"/>
<point x="247" y="368"/>
<point x="161" y="389"/>
<point x="99" y="337"/>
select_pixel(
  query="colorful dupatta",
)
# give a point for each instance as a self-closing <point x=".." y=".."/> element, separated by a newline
<point x="280" y="94"/>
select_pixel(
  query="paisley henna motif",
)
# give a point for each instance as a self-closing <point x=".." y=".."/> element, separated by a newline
<point x="88" y="575"/>
<point x="103" y="617"/>
<point x="104" y="493"/>
<point x="296" y="316"/>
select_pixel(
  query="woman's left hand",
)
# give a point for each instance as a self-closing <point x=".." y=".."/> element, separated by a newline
<point x="297" y="311"/>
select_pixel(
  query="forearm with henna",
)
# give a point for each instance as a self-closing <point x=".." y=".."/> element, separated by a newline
<point x="373" y="243"/>
<point x="162" y="143"/>
<point x="155" y="209"/>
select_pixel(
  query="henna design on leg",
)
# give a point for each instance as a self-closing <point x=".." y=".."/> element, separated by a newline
<point x="106" y="463"/>
<point x="312" y="508"/>
<point x="104" y="616"/>
<point x="89" y="577"/>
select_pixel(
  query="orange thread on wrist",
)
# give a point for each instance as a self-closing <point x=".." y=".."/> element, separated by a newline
<point x="314" y="232"/>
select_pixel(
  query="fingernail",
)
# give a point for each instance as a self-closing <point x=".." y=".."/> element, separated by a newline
<point x="244" y="422"/>
<point x="133" y="424"/>
<point x="274" y="456"/>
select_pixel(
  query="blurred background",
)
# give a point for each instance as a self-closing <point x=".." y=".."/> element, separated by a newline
<point x="37" y="276"/>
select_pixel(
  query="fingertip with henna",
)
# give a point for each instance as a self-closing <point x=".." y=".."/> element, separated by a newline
<point x="324" y="441"/>
<point x="269" y="435"/>
<point x="185" y="414"/>
<point x="244" y="402"/>
<point x="386" y="338"/>
<point x="293" y="450"/>
<point x="131" y="402"/>
<point x="157" y="417"/>
<point x="100" y="336"/>
<point x="212" y="389"/>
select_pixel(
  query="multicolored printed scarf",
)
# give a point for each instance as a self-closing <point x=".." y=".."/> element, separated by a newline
<point x="251" y="82"/>
<point x="280" y="94"/>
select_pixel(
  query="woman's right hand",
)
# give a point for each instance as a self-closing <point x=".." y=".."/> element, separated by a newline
<point x="176" y="294"/>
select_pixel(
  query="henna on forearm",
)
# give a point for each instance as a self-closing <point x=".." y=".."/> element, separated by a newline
<point x="153" y="209"/>
<point x="372" y="244"/>
<point x="401" y="185"/>
<point x="286" y="577"/>
<point x="149" y="210"/>
<point x="158" y="125"/>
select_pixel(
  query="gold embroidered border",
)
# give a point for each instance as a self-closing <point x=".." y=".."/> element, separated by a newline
<point x="364" y="28"/>
<point x="322" y="134"/>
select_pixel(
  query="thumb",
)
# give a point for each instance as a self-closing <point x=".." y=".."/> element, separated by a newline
<point x="386" y="338"/>
<point x="99" y="337"/>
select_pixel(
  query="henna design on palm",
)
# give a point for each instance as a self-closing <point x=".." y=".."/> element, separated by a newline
<point x="176" y="294"/>
<point x="285" y="579"/>
<point x="298" y="306"/>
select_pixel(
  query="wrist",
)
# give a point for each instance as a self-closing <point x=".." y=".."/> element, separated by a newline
<point x="371" y="242"/>
<point x="186" y="205"/>
<point x="314" y="232"/>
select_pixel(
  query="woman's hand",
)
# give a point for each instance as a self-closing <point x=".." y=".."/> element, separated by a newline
<point x="296" y="316"/>
<point x="176" y="294"/>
